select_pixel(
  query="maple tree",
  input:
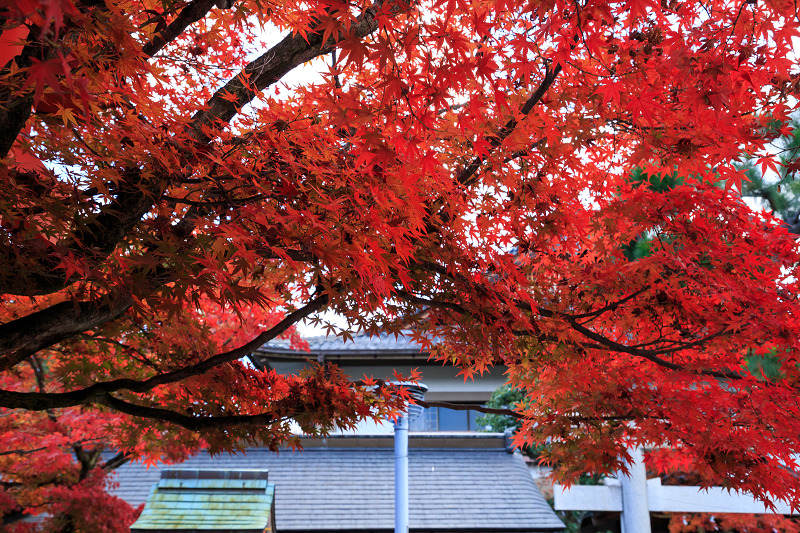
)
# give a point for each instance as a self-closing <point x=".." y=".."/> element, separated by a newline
<point x="461" y="166"/>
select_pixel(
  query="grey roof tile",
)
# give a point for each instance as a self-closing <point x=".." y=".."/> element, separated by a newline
<point x="324" y="489"/>
<point x="384" y="344"/>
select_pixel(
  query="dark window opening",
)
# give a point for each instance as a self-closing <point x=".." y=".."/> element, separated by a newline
<point x="442" y="419"/>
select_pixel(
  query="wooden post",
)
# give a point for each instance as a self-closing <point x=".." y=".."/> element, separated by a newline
<point x="635" y="516"/>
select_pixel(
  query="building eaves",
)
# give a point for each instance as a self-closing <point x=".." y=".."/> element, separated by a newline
<point x="383" y="346"/>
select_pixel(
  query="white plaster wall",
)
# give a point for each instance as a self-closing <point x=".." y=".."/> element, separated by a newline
<point x="443" y="383"/>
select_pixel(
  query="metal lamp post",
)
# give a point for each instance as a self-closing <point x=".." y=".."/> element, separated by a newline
<point x="417" y="391"/>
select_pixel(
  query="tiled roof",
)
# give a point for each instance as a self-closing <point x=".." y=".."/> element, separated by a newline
<point x="328" y="489"/>
<point x="237" y="501"/>
<point x="383" y="344"/>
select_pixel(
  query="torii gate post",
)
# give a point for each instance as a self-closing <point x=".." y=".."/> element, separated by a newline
<point x="635" y="516"/>
<point x="635" y="498"/>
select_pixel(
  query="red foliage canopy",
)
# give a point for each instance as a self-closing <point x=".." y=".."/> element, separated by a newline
<point x="461" y="166"/>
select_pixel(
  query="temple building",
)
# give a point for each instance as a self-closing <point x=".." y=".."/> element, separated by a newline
<point x="460" y="478"/>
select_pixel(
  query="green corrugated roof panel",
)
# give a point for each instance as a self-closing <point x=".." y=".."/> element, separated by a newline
<point x="231" y="501"/>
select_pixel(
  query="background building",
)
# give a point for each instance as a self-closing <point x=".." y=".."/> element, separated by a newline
<point x="460" y="479"/>
<point x="379" y="357"/>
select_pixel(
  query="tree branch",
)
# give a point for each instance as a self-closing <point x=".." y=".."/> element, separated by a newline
<point x="602" y="341"/>
<point x="115" y="462"/>
<point x="14" y="114"/>
<point x="470" y="407"/>
<point x="612" y="306"/>
<point x="101" y="234"/>
<point x="652" y="355"/>
<point x="193" y="423"/>
<point x="292" y="51"/>
<point x="34" y="450"/>
<point x="88" y="460"/>
<point x="42" y="401"/>
<point x="466" y="175"/>
<point x="190" y="14"/>
<point x="27" y="335"/>
<point x="96" y="239"/>
<point x="510" y="412"/>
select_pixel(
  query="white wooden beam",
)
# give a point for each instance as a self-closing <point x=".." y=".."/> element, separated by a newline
<point x="587" y="498"/>
<point x="661" y="498"/>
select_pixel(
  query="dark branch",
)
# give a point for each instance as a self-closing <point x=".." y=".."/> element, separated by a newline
<point x="193" y="423"/>
<point x="27" y="335"/>
<point x="470" y="407"/>
<point x="34" y="450"/>
<point x="510" y="412"/>
<point x="39" y="401"/>
<point x="653" y="355"/>
<point x="190" y="14"/>
<point x="117" y="461"/>
<point x="405" y="295"/>
<point x="87" y="459"/>
<point x="96" y="238"/>
<point x="612" y="306"/>
<point x="466" y="176"/>
<point x="100" y="234"/>
<point x="15" y="111"/>
<point x="292" y="51"/>
<point x="233" y="202"/>
<point x="602" y="341"/>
